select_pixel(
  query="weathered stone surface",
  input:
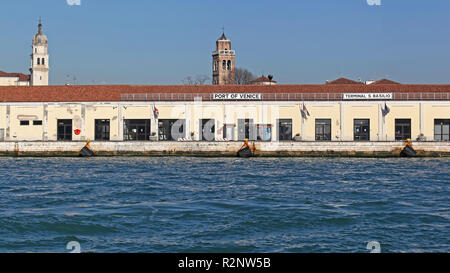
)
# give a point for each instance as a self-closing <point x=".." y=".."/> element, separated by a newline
<point x="329" y="149"/>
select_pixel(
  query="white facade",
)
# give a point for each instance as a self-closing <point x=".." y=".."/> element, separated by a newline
<point x="13" y="81"/>
<point x="39" y="67"/>
<point x="40" y="59"/>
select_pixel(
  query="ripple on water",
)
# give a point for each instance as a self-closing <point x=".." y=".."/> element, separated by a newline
<point x="224" y="204"/>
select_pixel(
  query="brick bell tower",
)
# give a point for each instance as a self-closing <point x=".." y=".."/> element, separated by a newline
<point x="223" y="62"/>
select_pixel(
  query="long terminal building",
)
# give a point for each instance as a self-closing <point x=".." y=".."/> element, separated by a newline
<point x="328" y="112"/>
<point x="338" y="111"/>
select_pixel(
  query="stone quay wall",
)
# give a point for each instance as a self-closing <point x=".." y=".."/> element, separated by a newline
<point x="219" y="149"/>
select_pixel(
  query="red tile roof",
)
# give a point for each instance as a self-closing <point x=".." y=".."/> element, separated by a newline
<point x="344" y="81"/>
<point x="78" y="93"/>
<point x="385" y="81"/>
<point x="22" y="77"/>
<point x="263" y="79"/>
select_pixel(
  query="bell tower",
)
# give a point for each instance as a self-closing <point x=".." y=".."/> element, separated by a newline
<point x="223" y="62"/>
<point x="39" y="59"/>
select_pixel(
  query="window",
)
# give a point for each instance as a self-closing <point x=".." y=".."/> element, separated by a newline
<point x="285" y="129"/>
<point x="361" y="129"/>
<point x="323" y="129"/>
<point x="102" y="129"/>
<point x="224" y="65"/>
<point x="442" y="129"/>
<point x="207" y="129"/>
<point x="136" y="129"/>
<point x="24" y="122"/>
<point x="38" y="61"/>
<point x="64" y="130"/>
<point x="43" y="61"/>
<point x="171" y="129"/>
<point x="229" y="67"/>
<point x="37" y="122"/>
<point x="264" y="132"/>
<point x="402" y="129"/>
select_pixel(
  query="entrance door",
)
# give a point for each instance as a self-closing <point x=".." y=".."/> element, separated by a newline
<point x="136" y="129"/>
<point x="264" y="132"/>
<point x="323" y="129"/>
<point x="102" y="129"/>
<point x="228" y="131"/>
<point x="361" y="129"/>
<point x="442" y="129"/>
<point x="244" y="128"/>
<point x="164" y="126"/>
<point x="402" y="129"/>
<point x="64" y="132"/>
<point x="171" y="129"/>
<point x="284" y="129"/>
<point x="207" y="129"/>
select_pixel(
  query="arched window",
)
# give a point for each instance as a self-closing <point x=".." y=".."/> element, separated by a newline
<point x="224" y="65"/>
<point x="229" y="67"/>
<point x="38" y="61"/>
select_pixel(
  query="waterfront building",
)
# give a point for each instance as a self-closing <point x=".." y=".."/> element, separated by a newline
<point x="14" y="79"/>
<point x="263" y="80"/>
<point x="324" y="112"/>
<point x="39" y="68"/>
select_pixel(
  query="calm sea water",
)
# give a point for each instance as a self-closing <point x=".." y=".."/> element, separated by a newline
<point x="224" y="204"/>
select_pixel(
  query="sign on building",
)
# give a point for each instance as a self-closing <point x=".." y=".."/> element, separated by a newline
<point x="236" y="96"/>
<point x="367" y="96"/>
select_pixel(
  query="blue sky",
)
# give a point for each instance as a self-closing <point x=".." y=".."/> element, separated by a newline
<point x="298" y="41"/>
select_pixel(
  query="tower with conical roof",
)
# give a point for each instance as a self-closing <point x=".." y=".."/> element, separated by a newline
<point x="39" y="59"/>
<point x="223" y="62"/>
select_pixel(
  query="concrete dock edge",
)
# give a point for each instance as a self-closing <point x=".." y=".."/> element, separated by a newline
<point x="223" y="149"/>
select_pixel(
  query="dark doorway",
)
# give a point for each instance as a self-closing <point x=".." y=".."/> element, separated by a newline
<point x="102" y="129"/>
<point x="442" y="129"/>
<point x="284" y="129"/>
<point x="361" y="129"/>
<point x="64" y="130"/>
<point x="136" y="129"/>
<point x="207" y="129"/>
<point x="323" y="129"/>
<point x="171" y="129"/>
<point x="402" y="129"/>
